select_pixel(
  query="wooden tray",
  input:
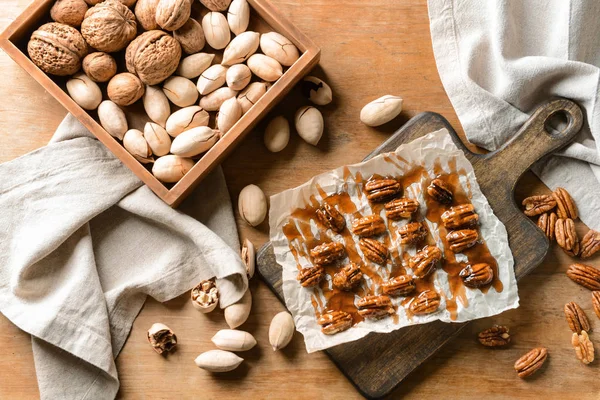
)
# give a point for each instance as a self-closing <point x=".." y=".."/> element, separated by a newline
<point x="378" y="363"/>
<point x="264" y="18"/>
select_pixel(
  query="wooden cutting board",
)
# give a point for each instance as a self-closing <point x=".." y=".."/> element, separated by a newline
<point x="378" y="363"/>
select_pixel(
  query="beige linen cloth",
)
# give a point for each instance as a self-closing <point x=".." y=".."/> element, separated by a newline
<point x="83" y="242"/>
<point x="499" y="59"/>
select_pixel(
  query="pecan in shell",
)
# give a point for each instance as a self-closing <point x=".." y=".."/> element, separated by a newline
<point x="576" y="318"/>
<point x="380" y="190"/>
<point x="477" y="275"/>
<point x="333" y="322"/>
<point x="373" y="250"/>
<point x="331" y="218"/>
<point x="375" y="307"/>
<point x="461" y="240"/>
<point x="426" y="302"/>
<point x="547" y="223"/>
<point x="531" y="362"/>
<point x="401" y="208"/>
<point x="440" y="192"/>
<point x="327" y="253"/>
<point x="584" y="348"/>
<point x="495" y="336"/>
<point x="412" y="233"/>
<point x="371" y="225"/>
<point x="590" y="244"/>
<point x="566" y="236"/>
<point x="425" y="261"/>
<point x="309" y="277"/>
<point x="586" y="276"/>
<point x="347" y="277"/>
<point x="536" y="205"/>
<point x="596" y="302"/>
<point x="565" y="206"/>
<point x="401" y="285"/>
<point x="460" y="216"/>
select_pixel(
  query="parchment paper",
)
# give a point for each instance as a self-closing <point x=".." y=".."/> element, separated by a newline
<point x="426" y="151"/>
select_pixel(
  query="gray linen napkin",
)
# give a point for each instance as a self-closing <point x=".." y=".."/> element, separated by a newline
<point x="83" y="242"/>
<point x="499" y="59"/>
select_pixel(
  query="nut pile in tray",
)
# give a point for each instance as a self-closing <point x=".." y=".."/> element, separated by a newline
<point x="161" y="44"/>
<point x="457" y="219"/>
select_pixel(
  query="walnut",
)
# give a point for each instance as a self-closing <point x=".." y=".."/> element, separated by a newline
<point x="99" y="66"/>
<point x="70" y="12"/>
<point x="125" y="89"/>
<point x="109" y="26"/>
<point x="190" y="36"/>
<point x="216" y="5"/>
<point x="57" y="49"/>
<point x="153" y="56"/>
<point x="145" y="12"/>
<point x="172" y="14"/>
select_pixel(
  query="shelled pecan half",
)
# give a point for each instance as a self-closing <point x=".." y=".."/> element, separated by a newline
<point x="566" y="236"/>
<point x="425" y="261"/>
<point x="440" y="192"/>
<point x="496" y="336"/>
<point x="586" y="276"/>
<point x="375" y="307"/>
<point x="576" y="318"/>
<point x="347" y="277"/>
<point x="401" y="285"/>
<point x="373" y="250"/>
<point x="462" y="239"/>
<point x="333" y="322"/>
<point x="565" y="206"/>
<point x="371" y="225"/>
<point x="590" y="244"/>
<point x="311" y="276"/>
<point x="426" y="302"/>
<point x="531" y="362"/>
<point x="547" y="222"/>
<point x="584" y="348"/>
<point x="477" y="275"/>
<point x="331" y="218"/>
<point x="401" y="208"/>
<point x="327" y="253"/>
<point x="596" y="302"/>
<point x="460" y="216"/>
<point x="535" y="205"/>
<point x="412" y="233"/>
<point x="381" y="190"/>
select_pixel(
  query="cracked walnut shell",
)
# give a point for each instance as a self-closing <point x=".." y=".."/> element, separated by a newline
<point x="375" y="307"/>
<point x="381" y="190"/>
<point x="425" y="261"/>
<point x="460" y="216"/>
<point x="153" y="56"/>
<point x="57" y="49"/>
<point x="426" y="302"/>
<point x="565" y="206"/>
<point x="586" y="276"/>
<point x="348" y="277"/>
<point x="590" y="244"/>
<point x="309" y="277"/>
<point x="412" y="233"/>
<point x="547" y="223"/>
<point x="495" y="336"/>
<point x="109" y="26"/>
<point x="535" y="205"/>
<point x="327" y="253"/>
<point x="205" y="296"/>
<point x="576" y="318"/>
<point x="440" y="192"/>
<point x="331" y="218"/>
<point x="401" y="208"/>
<point x="373" y="250"/>
<point x="333" y="322"/>
<point x="566" y="236"/>
<point x="477" y="275"/>
<point x="370" y="225"/>
<point x="161" y="338"/>
<point x="584" y="348"/>
<point x="401" y="285"/>
<point x="529" y="363"/>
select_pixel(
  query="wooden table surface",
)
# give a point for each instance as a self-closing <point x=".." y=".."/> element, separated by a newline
<point x="369" y="48"/>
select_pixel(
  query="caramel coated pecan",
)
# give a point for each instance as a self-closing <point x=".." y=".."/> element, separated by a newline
<point x="426" y="302"/>
<point x="401" y="208"/>
<point x="402" y="285"/>
<point x="333" y="322"/>
<point x="380" y="190"/>
<point x="477" y="275"/>
<point x="309" y="277"/>
<point x="495" y="336"/>
<point x="590" y="244"/>
<point x="531" y="362"/>
<point x="586" y="276"/>
<point x="412" y="233"/>
<point x="327" y="253"/>
<point x="440" y="192"/>
<point x="425" y="261"/>
<point x="370" y="225"/>
<point x="584" y="348"/>
<point x="536" y="205"/>
<point x="347" y="277"/>
<point x="576" y="318"/>
<point x="565" y="206"/>
<point x="547" y="223"/>
<point x="375" y="307"/>
<point x="460" y="216"/>
<point x="373" y="250"/>
<point x="596" y="302"/>
<point x="566" y="236"/>
<point x="331" y="218"/>
<point x="462" y="239"/>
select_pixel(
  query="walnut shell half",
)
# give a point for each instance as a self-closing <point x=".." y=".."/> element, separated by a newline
<point x="57" y="49"/>
<point x="153" y="56"/>
<point x="109" y="26"/>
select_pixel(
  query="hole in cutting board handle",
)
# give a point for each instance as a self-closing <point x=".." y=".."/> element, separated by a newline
<point x="559" y="123"/>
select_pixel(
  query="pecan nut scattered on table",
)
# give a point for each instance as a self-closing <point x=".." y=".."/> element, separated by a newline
<point x="347" y="277"/>
<point x="586" y="276"/>
<point x="547" y="222"/>
<point x="576" y="318"/>
<point x="373" y="250"/>
<point x="371" y="225"/>
<point x="412" y="233"/>
<point x="401" y="208"/>
<point x="309" y="277"/>
<point x="477" y="275"/>
<point x="584" y="348"/>
<point x="401" y="285"/>
<point x="590" y="244"/>
<point x="496" y="336"/>
<point x="461" y="216"/>
<point x="327" y="253"/>
<point x="381" y="190"/>
<point x="462" y="239"/>
<point x="440" y="192"/>
<point x="566" y="236"/>
<point x="426" y="302"/>
<point x="536" y="205"/>
<point x="531" y="362"/>
<point x="425" y="261"/>
<point x="596" y="302"/>
<point x="333" y="322"/>
<point x="565" y="206"/>
<point x="375" y="307"/>
<point x="331" y="218"/>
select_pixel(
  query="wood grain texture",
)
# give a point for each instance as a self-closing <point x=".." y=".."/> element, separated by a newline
<point x="368" y="49"/>
<point x="391" y="357"/>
